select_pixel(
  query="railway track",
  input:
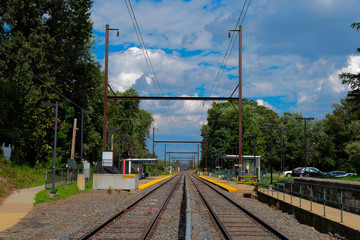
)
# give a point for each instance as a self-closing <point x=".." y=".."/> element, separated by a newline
<point x="233" y="221"/>
<point x="137" y="220"/>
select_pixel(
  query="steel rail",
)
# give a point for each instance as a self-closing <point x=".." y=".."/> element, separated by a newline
<point x="213" y="214"/>
<point x="150" y="226"/>
<point x="96" y="229"/>
<point x="257" y="219"/>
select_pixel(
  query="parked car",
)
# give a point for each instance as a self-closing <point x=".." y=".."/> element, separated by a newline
<point x="350" y="174"/>
<point x="308" y="172"/>
<point x="336" y="174"/>
<point x="288" y="173"/>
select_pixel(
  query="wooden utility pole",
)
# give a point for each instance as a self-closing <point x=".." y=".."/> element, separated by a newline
<point x="112" y="142"/>
<point x="72" y="156"/>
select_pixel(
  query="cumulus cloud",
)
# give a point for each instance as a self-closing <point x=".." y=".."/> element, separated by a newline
<point x="293" y="53"/>
<point x="353" y="66"/>
<point x="261" y="102"/>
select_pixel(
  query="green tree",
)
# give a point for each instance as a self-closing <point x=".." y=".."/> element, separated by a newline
<point x="130" y="120"/>
<point x="351" y="79"/>
<point x="44" y="44"/>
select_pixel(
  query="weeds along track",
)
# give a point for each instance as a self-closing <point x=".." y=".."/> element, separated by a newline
<point x="138" y="219"/>
<point x="233" y="221"/>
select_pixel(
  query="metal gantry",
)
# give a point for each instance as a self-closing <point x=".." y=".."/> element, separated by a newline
<point x="167" y="98"/>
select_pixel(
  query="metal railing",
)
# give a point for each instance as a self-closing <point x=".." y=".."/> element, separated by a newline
<point x="63" y="176"/>
<point x="306" y="191"/>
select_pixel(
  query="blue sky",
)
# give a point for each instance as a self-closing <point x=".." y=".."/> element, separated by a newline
<point x="293" y="51"/>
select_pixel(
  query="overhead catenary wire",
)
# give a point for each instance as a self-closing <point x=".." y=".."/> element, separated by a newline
<point x="230" y="47"/>
<point x="144" y="50"/>
<point x="42" y="81"/>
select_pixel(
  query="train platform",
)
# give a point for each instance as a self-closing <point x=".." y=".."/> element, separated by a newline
<point x="314" y="214"/>
<point x="242" y="190"/>
<point x="149" y="181"/>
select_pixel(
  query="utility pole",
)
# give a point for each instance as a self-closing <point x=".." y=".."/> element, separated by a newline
<point x="271" y="147"/>
<point x="107" y="29"/>
<point x="198" y="164"/>
<point x="305" y="147"/>
<point x="73" y="140"/>
<point x="165" y="157"/>
<point x="240" y="93"/>
<point x="282" y="147"/>
<point x="153" y="142"/>
<point x="206" y="151"/>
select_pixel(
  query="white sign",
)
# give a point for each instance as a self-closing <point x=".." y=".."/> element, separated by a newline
<point x="107" y="158"/>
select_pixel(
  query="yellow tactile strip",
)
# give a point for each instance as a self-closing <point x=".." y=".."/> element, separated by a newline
<point x="224" y="186"/>
<point x="146" y="185"/>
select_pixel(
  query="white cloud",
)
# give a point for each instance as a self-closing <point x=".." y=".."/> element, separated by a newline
<point x="353" y="66"/>
<point x="261" y="102"/>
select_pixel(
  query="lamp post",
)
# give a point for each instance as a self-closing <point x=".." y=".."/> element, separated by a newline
<point x="282" y="143"/>
<point x="271" y="145"/>
<point x="82" y="133"/>
<point x="53" y="192"/>
<point x="305" y="120"/>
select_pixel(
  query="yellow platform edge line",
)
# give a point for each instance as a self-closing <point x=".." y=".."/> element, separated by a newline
<point x="146" y="185"/>
<point x="224" y="186"/>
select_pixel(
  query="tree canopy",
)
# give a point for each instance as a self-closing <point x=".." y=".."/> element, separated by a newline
<point x="45" y="56"/>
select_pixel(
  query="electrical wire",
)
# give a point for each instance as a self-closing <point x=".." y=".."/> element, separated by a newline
<point x="230" y="47"/>
<point x="42" y="81"/>
<point x="144" y="50"/>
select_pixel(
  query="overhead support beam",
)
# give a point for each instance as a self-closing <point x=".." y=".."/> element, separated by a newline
<point x="182" y="152"/>
<point x="175" y="98"/>
<point x="178" y="142"/>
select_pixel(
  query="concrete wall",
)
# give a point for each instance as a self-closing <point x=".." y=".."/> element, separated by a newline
<point x="351" y="198"/>
<point x="116" y="181"/>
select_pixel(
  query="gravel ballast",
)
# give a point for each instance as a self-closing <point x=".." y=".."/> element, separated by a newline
<point x="72" y="217"/>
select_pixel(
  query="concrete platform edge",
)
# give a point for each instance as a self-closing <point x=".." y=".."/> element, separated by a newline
<point x="146" y="185"/>
<point x="221" y="185"/>
<point x="322" y="224"/>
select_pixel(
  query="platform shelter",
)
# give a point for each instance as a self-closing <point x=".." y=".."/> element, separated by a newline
<point x="250" y="165"/>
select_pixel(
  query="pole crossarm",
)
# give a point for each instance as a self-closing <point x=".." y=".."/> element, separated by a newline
<point x="179" y="142"/>
<point x="174" y="98"/>
<point x="182" y="152"/>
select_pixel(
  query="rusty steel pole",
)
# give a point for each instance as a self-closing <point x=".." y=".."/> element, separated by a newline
<point x="165" y="157"/>
<point x="198" y="164"/>
<point x="240" y="96"/>
<point x="206" y="150"/>
<point x="106" y="83"/>
<point x="153" y="142"/>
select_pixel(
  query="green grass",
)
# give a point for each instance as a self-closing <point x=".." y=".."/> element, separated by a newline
<point x="19" y="176"/>
<point x="63" y="191"/>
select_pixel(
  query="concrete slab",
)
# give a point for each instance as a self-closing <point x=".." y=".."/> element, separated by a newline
<point x="116" y="181"/>
<point x="17" y="205"/>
